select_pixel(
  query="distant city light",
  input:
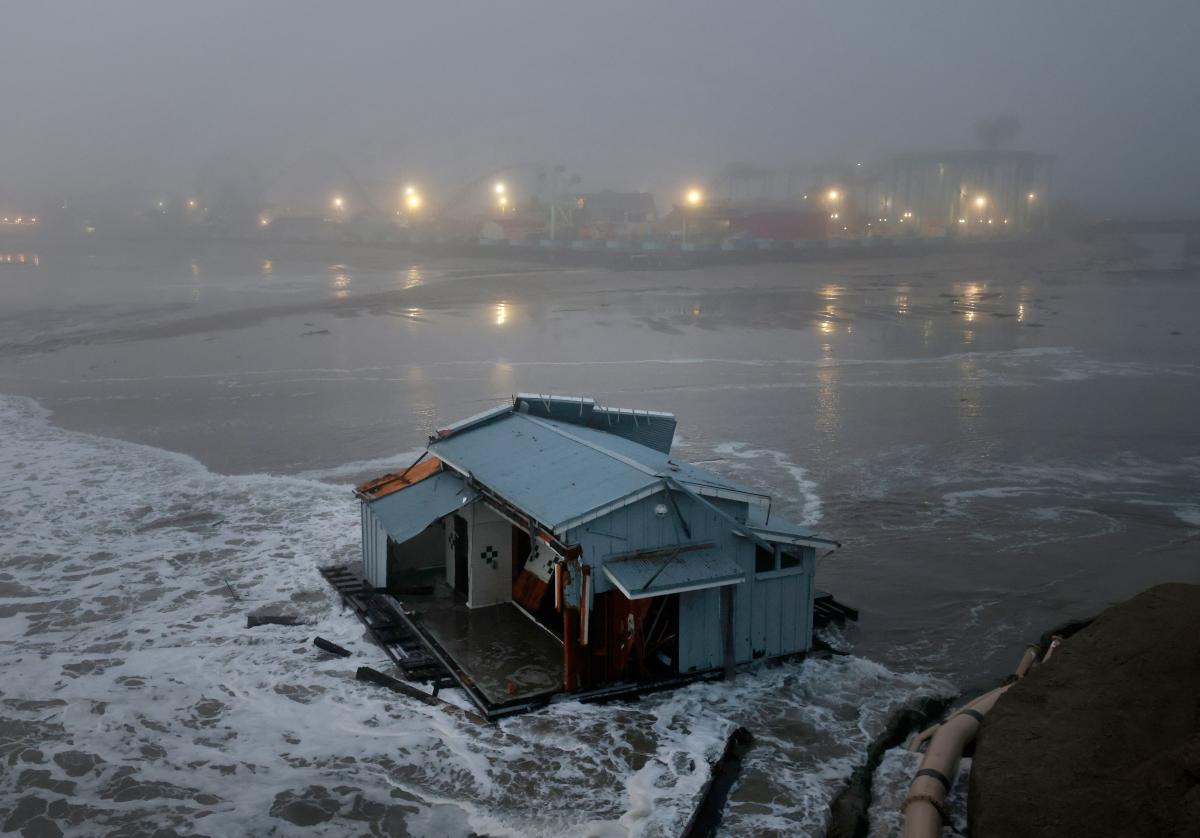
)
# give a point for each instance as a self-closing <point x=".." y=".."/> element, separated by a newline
<point x="161" y="204"/>
<point x="908" y="215"/>
<point x="694" y="197"/>
<point x="962" y="221"/>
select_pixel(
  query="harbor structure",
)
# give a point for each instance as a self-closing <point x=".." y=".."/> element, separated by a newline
<point x="554" y="545"/>
<point x="964" y="192"/>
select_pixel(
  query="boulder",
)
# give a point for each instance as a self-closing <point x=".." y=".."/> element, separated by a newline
<point x="1104" y="738"/>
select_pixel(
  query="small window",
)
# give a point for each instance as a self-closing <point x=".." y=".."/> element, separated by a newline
<point x="764" y="560"/>
<point x="788" y="560"/>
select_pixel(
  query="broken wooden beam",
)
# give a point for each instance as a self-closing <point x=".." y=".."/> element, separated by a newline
<point x="331" y="647"/>
<point x="374" y="676"/>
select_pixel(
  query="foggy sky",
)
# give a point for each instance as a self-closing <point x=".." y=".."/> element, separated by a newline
<point x="120" y="101"/>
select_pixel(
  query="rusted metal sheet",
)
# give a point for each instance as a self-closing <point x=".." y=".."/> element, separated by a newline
<point x="394" y="482"/>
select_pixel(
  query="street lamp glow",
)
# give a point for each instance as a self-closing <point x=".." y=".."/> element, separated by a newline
<point x="1032" y="196"/>
<point x="192" y="203"/>
<point x="410" y="190"/>
<point x="694" y="197"/>
<point x="339" y="202"/>
<point x="500" y="188"/>
<point x="502" y="200"/>
<point x="834" y="194"/>
<point x="981" y="201"/>
<point x="413" y="200"/>
<point x="264" y="221"/>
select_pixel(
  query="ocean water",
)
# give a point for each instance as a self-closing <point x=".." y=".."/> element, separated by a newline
<point x="1001" y="444"/>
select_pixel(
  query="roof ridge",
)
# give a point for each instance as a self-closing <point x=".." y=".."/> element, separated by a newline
<point x="629" y="461"/>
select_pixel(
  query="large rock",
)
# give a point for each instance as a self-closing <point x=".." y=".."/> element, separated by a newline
<point x="1104" y="738"/>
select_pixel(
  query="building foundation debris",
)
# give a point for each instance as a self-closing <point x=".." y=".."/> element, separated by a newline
<point x="374" y="676"/>
<point x="331" y="647"/>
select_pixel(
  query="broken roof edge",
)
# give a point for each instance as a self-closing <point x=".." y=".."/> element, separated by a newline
<point x="589" y="401"/>
<point x="384" y="485"/>
<point x="472" y="422"/>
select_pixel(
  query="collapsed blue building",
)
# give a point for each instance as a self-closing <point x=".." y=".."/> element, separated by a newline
<point x="554" y="545"/>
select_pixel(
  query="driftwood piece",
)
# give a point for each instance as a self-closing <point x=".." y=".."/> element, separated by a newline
<point x="331" y="647"/>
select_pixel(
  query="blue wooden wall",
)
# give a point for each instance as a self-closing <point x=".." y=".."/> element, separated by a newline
<point x="772" y="614"/>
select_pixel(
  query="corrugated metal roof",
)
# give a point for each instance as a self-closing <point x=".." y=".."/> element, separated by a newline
<point x="407" y="512"/>
<point x="657" y="461"/>
<point x="559" y="472"/>
<point x="534" y="465"/>
<point x="641" y="577"/>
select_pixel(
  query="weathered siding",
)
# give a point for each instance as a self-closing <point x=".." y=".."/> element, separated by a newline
<point x="636" y="527"/>
<point x="700" y="630"/>
<point x="374" y="545"/>
<point x="772" y="613"/>
<point x="782" y="610"/>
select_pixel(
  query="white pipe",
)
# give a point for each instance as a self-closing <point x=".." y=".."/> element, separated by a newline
<point x="922" y="808"/>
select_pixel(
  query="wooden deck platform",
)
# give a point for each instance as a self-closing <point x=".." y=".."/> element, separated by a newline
<point x="499" y="656"/>
<point x="508" y="657"/>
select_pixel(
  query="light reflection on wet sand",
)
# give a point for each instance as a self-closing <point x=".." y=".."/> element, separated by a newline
<point x="975" y="467"/>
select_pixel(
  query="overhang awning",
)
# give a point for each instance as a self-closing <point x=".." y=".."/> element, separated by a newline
<point x="641" y="577"/>
<point x="404" y="513"/>
<point x="780" y="531"/>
